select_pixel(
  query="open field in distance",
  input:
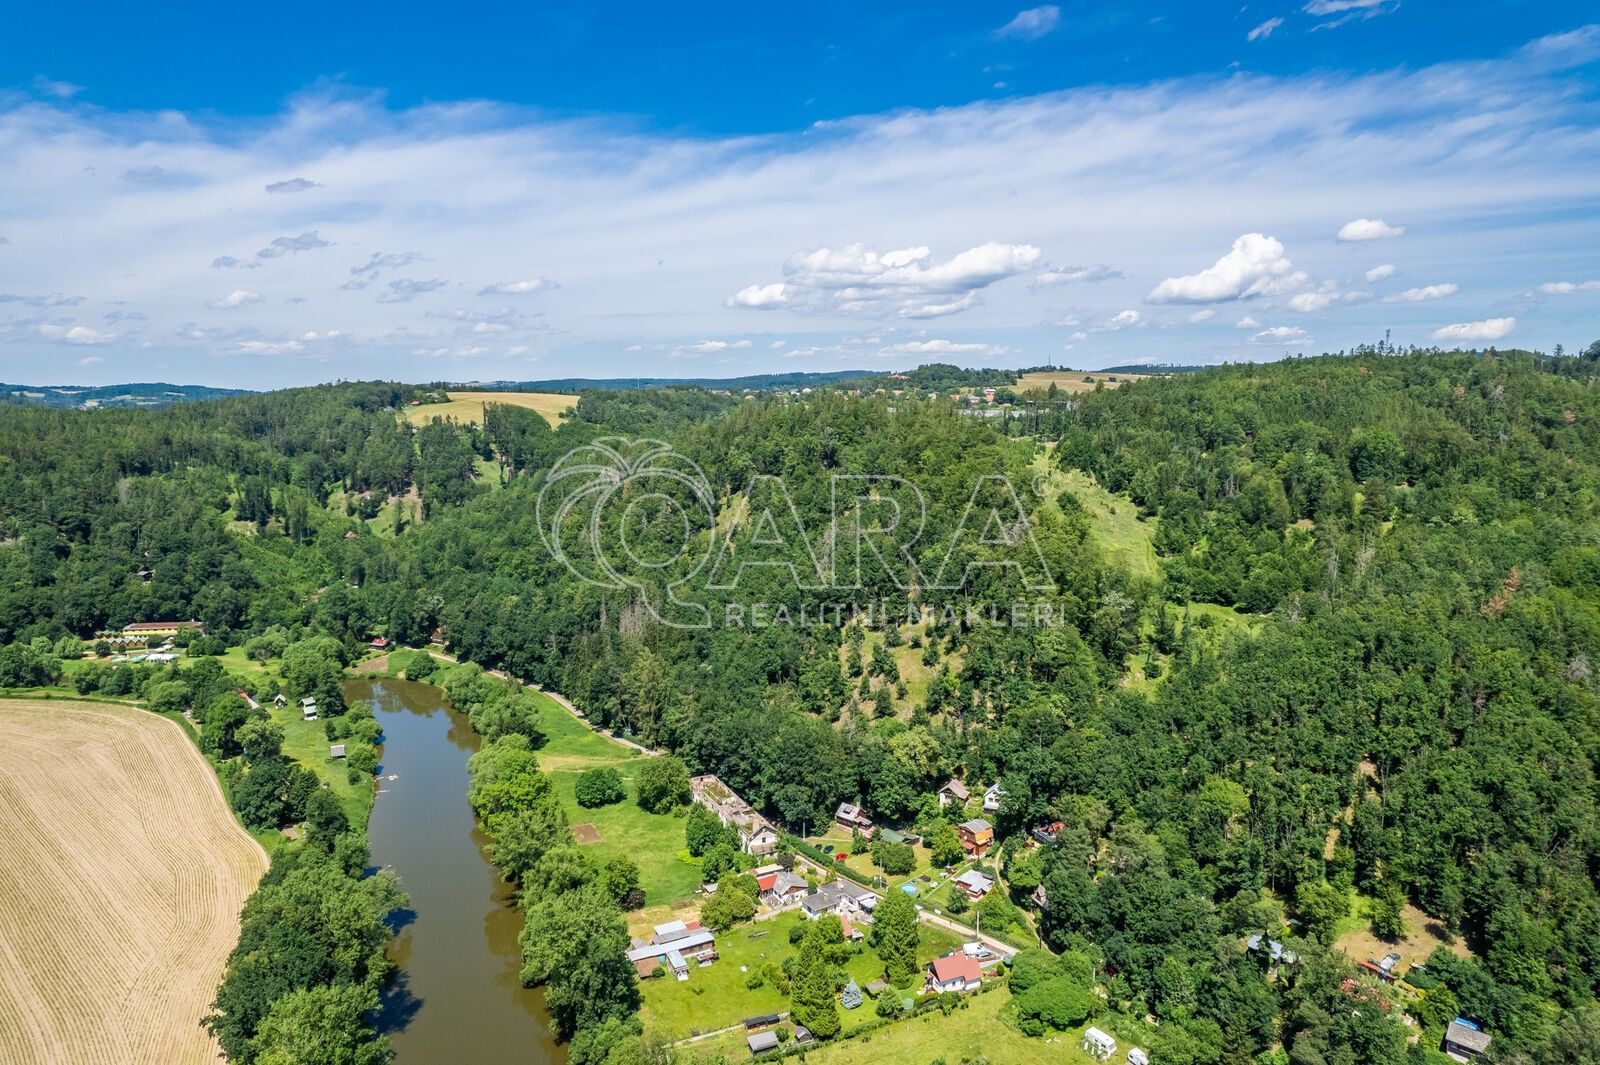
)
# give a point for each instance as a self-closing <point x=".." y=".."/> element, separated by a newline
<point x="1072" y="380"/>
<point x="467" y="407"/>
<point x="123" y="875"/>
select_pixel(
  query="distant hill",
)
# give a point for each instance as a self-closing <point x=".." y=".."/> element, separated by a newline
<point x="759" y="382"/>
<point x="155" y="394"/>
<point x="1155" y="369"/>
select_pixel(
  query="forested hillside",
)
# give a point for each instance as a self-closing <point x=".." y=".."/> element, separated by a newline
<point x="1358" y="678"/>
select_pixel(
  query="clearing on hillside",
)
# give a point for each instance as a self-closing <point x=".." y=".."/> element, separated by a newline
<point x="1072" y="380"/>
<point x="467" y="407"/>
<point x="120" y="890"/>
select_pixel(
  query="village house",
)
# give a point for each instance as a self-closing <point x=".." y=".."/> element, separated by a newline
<point x="974" y="883"/>
<point x="672" y="947"/>
<point x="1464" y="1040"/>
<point x="977" y="836"/>
<point x="850" y="817"/>
<point x="142" y="632"/>
<point x="1045" y="835"/>
<point x="953" y="792"/>
<point x="956" y="971"/>
<point x="842" y="897"/>
<point x="780" y="888"/>
<point x="992" y="797"/>
<point x="757" y="836"/>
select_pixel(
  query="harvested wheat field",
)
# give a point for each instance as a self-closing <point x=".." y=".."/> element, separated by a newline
<point x="122" y="877"/>
<point x="467" y="407"/>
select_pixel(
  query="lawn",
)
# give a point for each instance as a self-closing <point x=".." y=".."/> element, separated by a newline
<point x="306" y="743"/>
<point x="467" y="407"/>
<point x="862" y="863"/>
<point x="653" y="841"/>
<point x="716" y="997"/>
<point x="977" y="1033"/>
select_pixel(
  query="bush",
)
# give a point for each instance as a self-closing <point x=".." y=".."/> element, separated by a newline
<point x="601" y="786"/>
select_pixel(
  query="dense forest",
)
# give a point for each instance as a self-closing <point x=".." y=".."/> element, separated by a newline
<point x="1362" y="665"/>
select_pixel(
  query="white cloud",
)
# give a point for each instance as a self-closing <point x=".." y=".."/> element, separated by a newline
<point x="778" y="345"/>
<point x="1122" y="320"/>
<point x="518" y="288"/>
<point x="404" y="290"/>
<point x="61" y="90"/>
<point x="943" y="347"/>
<point x="298" y="184"/>
<point x="1426" y="292"/>
<point x="1065" y="275"/>
<point x="1310" y="302"/>
<point x="1205" y="314"/>
<point x="1380" y="273"/>
<point x="90" y="360"/>
<point x="856" y="280"/>
<point x="1254" y="266"/>
<point x="1321" y="8"/>
<point x="1031" y="24"/>
<point x="74" y="334"/>
<point x="1281" y="334"/>
<point x="1566" y="288"/>
<point x="1369" y="229"/>
<point x="1247" y="322"/>
<point x="281" y="246"/>
<point x="1264" y="30"/>
<point x="1488" y="329"/>
<point x="237" y="298"/>
<point x="379" y="261"/>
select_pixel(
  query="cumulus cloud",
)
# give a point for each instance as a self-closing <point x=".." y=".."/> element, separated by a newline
<point x="90" y="360"/>
<point x="298" y="184"/>
<point x="518" y="288"/>
<point x="1488" y="329"/>
<point x="404" y="290"/>
<point x="1310" y="302"/>
<point x="1247" y="322"/>
<point x="74" y="334"/>
<point x="907" y="283"/>
<point x="1264" y="30"/>
<point x="1281" y="334"/>
<point x="1380" y="273"/>
<point x="1369" y="229"/>
<point x="1121" y="320"/>
<point x="943" y="347"/>
<point x="1203" y="315"/>
<point x="1255" y="266"/>
<point x="1425" y="292"/>
<point x="1066" y="275"/>
<point x="1031" y="24"/>
<point x="282" y="246"/>
<point x="61" y="90"/>
<point x="1562" y="288"/>
<point x="237" y="298"/>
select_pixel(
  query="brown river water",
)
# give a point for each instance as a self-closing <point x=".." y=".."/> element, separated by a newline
<point x="456" y="999"/>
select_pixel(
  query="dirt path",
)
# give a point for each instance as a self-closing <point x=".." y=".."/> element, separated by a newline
<point x="120" y="888"/>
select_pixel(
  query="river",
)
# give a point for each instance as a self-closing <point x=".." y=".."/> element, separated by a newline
<point x="457" y="998"/>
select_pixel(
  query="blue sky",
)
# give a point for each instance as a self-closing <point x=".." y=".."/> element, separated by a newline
<point x="287" y="195"/>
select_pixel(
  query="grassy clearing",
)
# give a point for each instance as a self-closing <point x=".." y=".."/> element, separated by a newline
<point x="120" y="890"/>
<point x="716" y="996"/>
<point x="1424" y="935"/>
<point x="1072" y="380"/>
<point x="977" y="1033"/>
<point x="1127" y="538"/>
<point x="653" y="841"/>
<point x="467" y="407"/>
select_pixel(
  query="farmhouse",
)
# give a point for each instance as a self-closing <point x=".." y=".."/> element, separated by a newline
<point x="955" y="971"/>
<point x="992" y="797"/>
<point x="675" y="955"/>
<point x="977" y="836"/>
<point x="756" y="834"/>
<point x="840" y="897"/>
<point x="1464" y="1040"/>
<point x="953" y="792"/>
<point x="849" y="816"/>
